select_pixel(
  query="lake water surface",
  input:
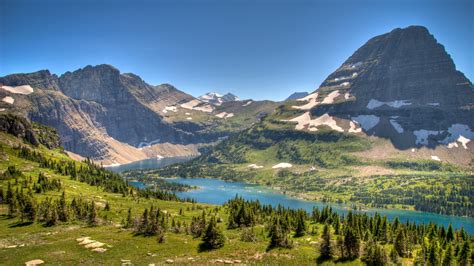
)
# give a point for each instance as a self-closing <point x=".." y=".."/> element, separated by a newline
<point x="215" y="191"/>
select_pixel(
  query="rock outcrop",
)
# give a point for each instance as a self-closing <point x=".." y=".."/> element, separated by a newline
<point x="401" y="85"/>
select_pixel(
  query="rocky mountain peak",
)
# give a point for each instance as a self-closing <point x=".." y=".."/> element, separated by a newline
<point x="217" y="99"/>
<point x="402" y="85"/>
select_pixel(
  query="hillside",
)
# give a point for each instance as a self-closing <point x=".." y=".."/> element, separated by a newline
<point x="116" y="118"/>
<point x="391" y="125"/>
<point x="60" y="211"/>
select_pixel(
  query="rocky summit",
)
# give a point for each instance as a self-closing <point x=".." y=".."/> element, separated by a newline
<point x="401" y="85"/>
<point x="116" y="117"/>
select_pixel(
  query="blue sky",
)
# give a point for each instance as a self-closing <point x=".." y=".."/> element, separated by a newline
<point x="254" y="49"/>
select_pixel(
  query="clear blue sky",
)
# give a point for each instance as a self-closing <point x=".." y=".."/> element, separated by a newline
<point x="254" y="49"/>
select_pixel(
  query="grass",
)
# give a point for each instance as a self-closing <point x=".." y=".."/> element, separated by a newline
<point x="57" y="245"/>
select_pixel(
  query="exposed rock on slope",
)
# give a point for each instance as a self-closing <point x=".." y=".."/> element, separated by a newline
<point x="401" y="85"/>
<point x="113" y="117"/>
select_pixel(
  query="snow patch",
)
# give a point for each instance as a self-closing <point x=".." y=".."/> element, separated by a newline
<point x="396" y="126"/>
<point x="8" y="99"/>
<point x="459" y="131"/>
<point x="2" y="109"/>
<point x="345" y="84"/>
<point x="354" y="128"/>
<point x="394" y="104"/>
<point x="311" y="99"/>
<point x="433" y="104"/>
<point x="247" y="103"/>
<point x="170" y="108"/>
<point x="453" y="145"/>
<point x="282" y="165"/>
<point x="367" y="122"/>
<point x="422" y="135"/>
<point x="23" y="89"/>
<point x="436" y="158"/>
<point x="197" y="105"/>
<point x="254" y="166"/>
<point x="305" y="120"/>
<point x="225" y="115"/>
<point x="330" y="98"/>
<point x="189" y="118"/>
<point x="347" y="96"/>
<point x="148" y="144"/>
<point x="308" y="97"/>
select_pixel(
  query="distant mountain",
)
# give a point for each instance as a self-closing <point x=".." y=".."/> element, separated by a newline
<point x="217" y="99"/>
<point x="297" y="95"/>
<point x="115" y="117"/>
<point x="400" y="91"/>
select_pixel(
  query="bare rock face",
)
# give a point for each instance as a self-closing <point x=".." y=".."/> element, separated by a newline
<point x="98" y="111"/>
<point x="404" y="86"/>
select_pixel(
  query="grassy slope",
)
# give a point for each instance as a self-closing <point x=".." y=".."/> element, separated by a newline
<point x="325" y="166"/>
<point x="57" y="245"/>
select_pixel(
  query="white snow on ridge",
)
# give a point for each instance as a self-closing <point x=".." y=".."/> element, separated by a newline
<point x="436" y="158"/>
<point x="422" y="135"/>
<point x="282" y="165"/>
<point x="247" y="103"/>
<point x="330" y="98"/>
<point x="254" y="166"/>
<point x="197" y="105"/>
<point x="311" y="99"/>
<point x="312" y="96"/>
<point x="457" y="130"/>
<point x="367" y="121"/>
<point x="23" y="89"/>
<point x="396" y="126"/>
<point x="225" y="115"/>
<point x="8" y="99"/>
<point x="433" y="104"/>
<point x="353" y="128"/>
<point x="2" y="109"/>
<point x="305" y="120"/>
<point x="394" y="104"/>
<point x="170" y="108"/>
<point x="148" y="144"/>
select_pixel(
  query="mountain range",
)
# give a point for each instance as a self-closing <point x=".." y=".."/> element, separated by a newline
<point x="401" y="86"/>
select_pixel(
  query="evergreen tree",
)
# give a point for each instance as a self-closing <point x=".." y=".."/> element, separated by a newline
<point x="374" y="254"/>
<point x="300" y="225"/>
<point x="326" y="248"/>
<point x="213" y="237"/>
<point x="278" y="236"/>
<point x="448" y="259"/>
<point x="351" y="244"/>
<point x="400" y="244"/>
<point x="465" y="254"/>
<point x="433" y="259"/>
<point x="92" y="217"/>
<point x="450" y="234"/>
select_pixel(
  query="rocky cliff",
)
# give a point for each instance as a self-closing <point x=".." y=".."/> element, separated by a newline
<point x="116" y="117"/>
<point x="401" y="85"/>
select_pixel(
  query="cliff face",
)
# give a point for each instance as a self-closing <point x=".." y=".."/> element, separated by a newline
<point x="99" y="112"/>
<point x="401" y="85"/>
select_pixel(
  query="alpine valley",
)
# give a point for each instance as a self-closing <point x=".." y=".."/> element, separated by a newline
<point x="391" y="128"/>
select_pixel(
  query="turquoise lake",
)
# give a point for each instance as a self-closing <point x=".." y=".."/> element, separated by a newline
<point x="216" y="191"/>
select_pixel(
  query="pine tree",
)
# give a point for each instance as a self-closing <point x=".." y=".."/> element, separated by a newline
<point x="448" y="259"/>
<point x="92" y="217"/>
<point x="129" y="221"/>
<point x="399" y="245"/>
<point x="213" y="237"/>
<point x="465" y="254"/>
<point x="326" y="248"/>
<point x="450" y="234"/>
<point x="300" y="225"/>
<point x="278" y="236"/>
<point x="351" y="244"/>
<point x="63" y="211"/>
<point x="433" y="254"/>
<point x="374" y="254"/>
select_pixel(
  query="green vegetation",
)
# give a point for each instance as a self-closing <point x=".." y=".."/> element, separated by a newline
<point x="326" y="167"/>
<point x="66" y="212"/>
